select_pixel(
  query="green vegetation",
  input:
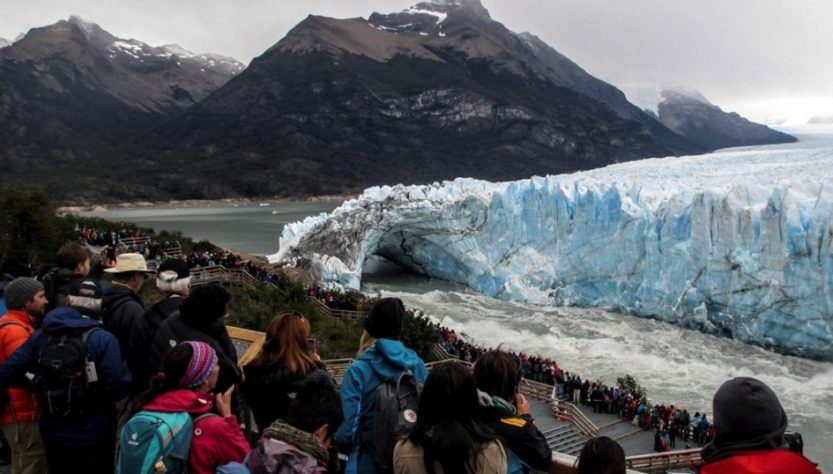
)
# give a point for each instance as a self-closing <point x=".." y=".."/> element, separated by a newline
<point x="31" y="232"/>
<point x="629" y="383"/>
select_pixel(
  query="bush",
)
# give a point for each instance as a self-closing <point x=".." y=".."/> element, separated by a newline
<point x="629" y="383"/>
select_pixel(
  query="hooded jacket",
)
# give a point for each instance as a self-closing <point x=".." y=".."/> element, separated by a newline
<point x="519" y="433"/>
<point x="772" y="461"/>
<point x="141" y="341"/>
<point x="215" y="441"/>
<point x="23" y="404"/>
<point x="98" y="425"/>
<point x="380" y="361"/>
<point x="267" y="390"/>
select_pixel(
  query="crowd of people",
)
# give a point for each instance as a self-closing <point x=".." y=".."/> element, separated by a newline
<point x="87" y="367"/>
<point x="669" y="423"/>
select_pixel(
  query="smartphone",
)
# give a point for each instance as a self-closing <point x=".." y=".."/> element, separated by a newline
<point x="312" y="345"/>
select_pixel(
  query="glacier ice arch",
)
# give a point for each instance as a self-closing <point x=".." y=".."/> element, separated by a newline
<point x="735" y="243"/>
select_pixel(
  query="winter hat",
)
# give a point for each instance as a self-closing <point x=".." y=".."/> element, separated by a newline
<point x="200" y="365"/>
<point x="173" y="276"/>
<point x="20" y="291"/>
<point x="385" y="319"/>
<point x="747" y="416"/>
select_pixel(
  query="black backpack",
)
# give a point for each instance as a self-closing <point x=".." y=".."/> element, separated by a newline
<point x="396" y="401"/>
<point x="64" y="373"/>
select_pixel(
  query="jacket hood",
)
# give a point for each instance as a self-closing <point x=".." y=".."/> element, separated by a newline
<point x="64" y="318"/>
<point x="117" y="292"/>
<point x="181" y="400"/>
<point x="388" y="357"/>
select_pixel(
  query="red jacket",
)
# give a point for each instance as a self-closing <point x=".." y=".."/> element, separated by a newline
<point x="773" y="461"/>
<point x="23" y="402"/>
<point x="215" y="441"/>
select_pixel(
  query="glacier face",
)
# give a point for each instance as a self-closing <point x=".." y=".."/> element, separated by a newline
<point x="736" y="243"/>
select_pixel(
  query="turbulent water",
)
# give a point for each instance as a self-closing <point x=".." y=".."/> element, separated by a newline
<point x="676" y="365"/>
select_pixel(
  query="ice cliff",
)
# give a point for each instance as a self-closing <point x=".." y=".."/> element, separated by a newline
<point x="736" y="243"/>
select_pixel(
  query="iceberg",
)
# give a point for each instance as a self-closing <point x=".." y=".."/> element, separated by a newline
<point x="735" y="243"/>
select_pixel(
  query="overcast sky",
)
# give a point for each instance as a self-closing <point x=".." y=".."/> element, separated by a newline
<point x="765" y="59"/>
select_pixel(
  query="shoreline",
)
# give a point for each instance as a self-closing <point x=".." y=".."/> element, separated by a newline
<point x="103" y="207"/>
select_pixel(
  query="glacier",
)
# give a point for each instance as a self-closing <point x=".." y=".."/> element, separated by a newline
<point x="735" y="243"/>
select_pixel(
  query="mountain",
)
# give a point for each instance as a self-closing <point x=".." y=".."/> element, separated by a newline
<point x="693" y="116"/>
<point x="433" y="92"/>
<point x="4" y="42"/>
<point x="71" y="92"/>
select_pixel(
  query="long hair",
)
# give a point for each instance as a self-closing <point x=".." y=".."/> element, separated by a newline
<point x="498" y="373"/>
<point x="446" y="428"/>
<point x="286" y="343"/>
<point x="365" y="342"/>
<point x="173" y="368"/>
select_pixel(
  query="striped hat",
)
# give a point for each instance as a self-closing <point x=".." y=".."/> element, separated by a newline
<point x="199" y="368"/>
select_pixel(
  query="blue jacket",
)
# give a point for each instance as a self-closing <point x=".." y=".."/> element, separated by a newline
<point x="382" y="360"/>
<point x="99" y="425"/>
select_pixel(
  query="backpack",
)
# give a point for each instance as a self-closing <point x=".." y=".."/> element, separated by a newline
<point x="394" y="415"/>
<point x="153" y="441"/>
<point x="4" y="394"/>
<point x="64" y="373"/>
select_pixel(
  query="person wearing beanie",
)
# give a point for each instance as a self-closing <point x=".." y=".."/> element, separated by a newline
<point x="749" y="424"/>
<point x="20" y="418"/>
<point x="381" y="356"/>
<point x="173" y="280"/>
<point x="185" y="382"/>
<point x="83" y="441"/>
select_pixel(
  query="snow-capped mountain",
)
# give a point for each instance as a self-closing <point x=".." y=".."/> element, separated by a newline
<point x="4" y="42"/>
<point x="72" y="91"/>
<point x="737" y="243"/>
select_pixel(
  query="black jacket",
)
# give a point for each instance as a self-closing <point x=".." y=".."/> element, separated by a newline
<point x="141" y="340"/>
<point x="122" y="309"/>
<point x="175" y="330"/>
<point x="267" y="391"/>
<point x="520" y="434"/>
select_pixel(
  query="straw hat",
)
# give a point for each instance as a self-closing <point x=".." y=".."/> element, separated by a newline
<point x="129" y="262"/>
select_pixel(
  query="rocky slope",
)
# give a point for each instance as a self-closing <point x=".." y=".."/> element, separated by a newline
<point x="693" y="116"/>
<point x="71" y="92"/>
<point x="437" y="91"/>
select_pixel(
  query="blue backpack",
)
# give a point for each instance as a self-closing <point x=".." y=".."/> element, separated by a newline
<point x="153" y="442"/>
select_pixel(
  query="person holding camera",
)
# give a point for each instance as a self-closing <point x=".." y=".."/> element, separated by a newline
<point x="750" y="426"/>
<point x="506" y="411"/>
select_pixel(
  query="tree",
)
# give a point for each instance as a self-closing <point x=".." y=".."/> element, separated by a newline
<point x="30" y="231"/>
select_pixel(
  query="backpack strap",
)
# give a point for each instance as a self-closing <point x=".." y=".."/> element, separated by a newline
<point x="16" y="323"/>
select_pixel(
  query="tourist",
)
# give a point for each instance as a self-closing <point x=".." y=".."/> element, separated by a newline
<point x="505" y="410"/>
<point x="381" y="355"/>
<point x="20" y="417"/>
<point x="305" y="438"/>
<point x="601" y="455"/>
<point x="273" y="369"/>
<point x="201" y="318"/>
<point x="173" y="280"/>
<point x="187" y="378"/>
<point x="448" y="438"/>
<point x="122" y="305"/>
<point x="749" y="438"/>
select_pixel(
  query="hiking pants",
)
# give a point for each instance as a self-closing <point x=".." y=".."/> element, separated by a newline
<point x="26" y="445"/>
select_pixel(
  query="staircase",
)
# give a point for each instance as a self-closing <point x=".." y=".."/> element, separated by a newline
<point x="565" y="438"/>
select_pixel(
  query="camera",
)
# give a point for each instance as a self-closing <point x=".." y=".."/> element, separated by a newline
<point x="794" y="441"/>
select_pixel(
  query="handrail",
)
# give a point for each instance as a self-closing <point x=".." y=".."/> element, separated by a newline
<point x="661" y="462"/>
<point x="336" y="313"/>
<point x="576" y="416"/>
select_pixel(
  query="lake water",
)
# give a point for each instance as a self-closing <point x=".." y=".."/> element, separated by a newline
<point x="675" y="365"/>
<point x="246" y="227"/>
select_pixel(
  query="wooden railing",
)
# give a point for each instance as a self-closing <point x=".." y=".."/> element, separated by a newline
<point x="219" y="273"/>
<point x="336" y="313"/>
<point x="562" y="410"/>
<point x="662" y="462"/>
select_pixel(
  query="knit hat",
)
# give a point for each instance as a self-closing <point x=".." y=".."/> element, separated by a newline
<point x="385" y="319"/>
<point x="20" y="291"/>
<point x="747" y="416"/>
<point x="200" y="365"/>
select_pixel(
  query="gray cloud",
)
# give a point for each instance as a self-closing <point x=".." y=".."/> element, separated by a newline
<point x="761" y="57"/>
